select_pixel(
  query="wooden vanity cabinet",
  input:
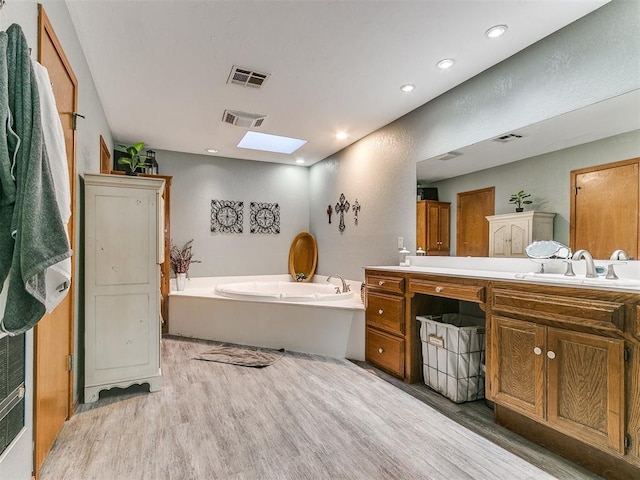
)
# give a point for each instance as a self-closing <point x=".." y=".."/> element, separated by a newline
<point x="432" y="227"/>
<point x="385" y="322"/>
<point x="559" y="359"/>
<point x="573" y="381"/>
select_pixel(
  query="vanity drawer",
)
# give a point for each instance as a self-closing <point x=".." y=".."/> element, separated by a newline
<point x="470" y="293"/>
<point x="385" y="312"/>
<point x="385" y="351"/>
<point x="386" y="283"/>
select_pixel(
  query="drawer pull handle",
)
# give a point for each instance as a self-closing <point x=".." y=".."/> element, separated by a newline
<point x="537" y="351"/>
<point x="439" y="289"/>
<point x="551" y="354"/>
<point x="381" y="350"/>
<point x="380" y="312"/>
<point x="381" y="282"/>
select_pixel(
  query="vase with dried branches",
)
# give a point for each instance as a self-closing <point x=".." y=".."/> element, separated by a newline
<point x="181" y="259"/>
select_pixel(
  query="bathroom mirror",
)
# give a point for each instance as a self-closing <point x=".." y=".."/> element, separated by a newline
<point x="303" y="257"/>
<point x="547" y="249"/>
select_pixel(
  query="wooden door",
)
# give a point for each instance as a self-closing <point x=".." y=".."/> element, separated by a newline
<point x="53" y="380"/>
<point x="586" y="387"/>
<point x="472" y="228"/>
<point x="604" y="209"/>
<point x="518" y="362"/>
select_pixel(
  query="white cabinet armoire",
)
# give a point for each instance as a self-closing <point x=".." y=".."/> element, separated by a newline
<point x="123" y="251"/>
<point x="509" y="234"/>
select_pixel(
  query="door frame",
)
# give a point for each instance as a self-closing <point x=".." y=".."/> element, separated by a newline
<point x="45" y="29"/>
<point x="573" y="189"/>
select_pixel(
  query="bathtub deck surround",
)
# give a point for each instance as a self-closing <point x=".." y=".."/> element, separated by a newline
<point x="334" y="328"/>
<point x="548" y="336"/>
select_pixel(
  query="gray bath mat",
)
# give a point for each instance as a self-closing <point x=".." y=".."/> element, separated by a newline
<point x="243" y="355"/>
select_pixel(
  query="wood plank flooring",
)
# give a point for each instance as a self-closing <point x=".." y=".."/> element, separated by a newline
<point x="305" y="417"/>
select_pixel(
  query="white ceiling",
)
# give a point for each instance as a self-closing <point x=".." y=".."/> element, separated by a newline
<point x="161" y="67"/>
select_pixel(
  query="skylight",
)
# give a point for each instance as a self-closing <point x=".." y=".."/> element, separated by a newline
<point x="270" y="143"/>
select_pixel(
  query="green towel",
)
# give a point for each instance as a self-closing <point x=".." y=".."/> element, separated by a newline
<point x="7" y="183"/>
<point x="40" y="237"/>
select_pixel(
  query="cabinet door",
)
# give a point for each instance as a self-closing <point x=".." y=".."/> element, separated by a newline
<point x="443" y="228"/>
<point x="586" y="387"/>
<point x="519" y="237"/>
<point x="519" y="379"/>
<point x="498" y="239"/>
<point x="433" y="227"/>
<point x="421" y="225"/>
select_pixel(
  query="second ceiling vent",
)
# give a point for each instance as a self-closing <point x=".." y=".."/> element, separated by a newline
<point x="247" y="77"/>
<point x="243" y="119"/>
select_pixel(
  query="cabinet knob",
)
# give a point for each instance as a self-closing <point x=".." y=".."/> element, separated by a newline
<point x="537" y="351"/>
<point x="380" y="312"/>
<point x="381" y="282"/>
<point x="551" y="354"/>
<point x="381" y="350"/>
<point x="438" y="289"/>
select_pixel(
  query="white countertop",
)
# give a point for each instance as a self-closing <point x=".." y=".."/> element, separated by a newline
<point x="523" y="270"/>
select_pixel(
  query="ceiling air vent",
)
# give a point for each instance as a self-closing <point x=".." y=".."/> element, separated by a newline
<point x="509" y="137"/>
<point x="243" y="119"/>
<point x="247" y="77"/>
<point x="448" y="156"/>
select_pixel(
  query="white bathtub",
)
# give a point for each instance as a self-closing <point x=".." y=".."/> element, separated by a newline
<point x="274" y="291"/>
<point x="271" y="311"/>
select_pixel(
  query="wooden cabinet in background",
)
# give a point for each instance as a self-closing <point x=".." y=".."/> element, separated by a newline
<point x="509" y="234"/>
<point x="432" y="227"/>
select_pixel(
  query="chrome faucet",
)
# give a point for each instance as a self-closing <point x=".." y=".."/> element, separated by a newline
<point x="616" y="255"/>
<point x="619" y="255"/>
<point x="591" y="268"/>
<point x="345" y="285"/>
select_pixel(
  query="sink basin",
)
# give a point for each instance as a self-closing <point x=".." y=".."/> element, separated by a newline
<point x="579" y="280"/>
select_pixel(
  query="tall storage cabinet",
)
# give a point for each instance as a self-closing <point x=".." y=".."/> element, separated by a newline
<point x="509" y="234"/>
<point x="432" y="227"/>
<point x="124" y="247"/>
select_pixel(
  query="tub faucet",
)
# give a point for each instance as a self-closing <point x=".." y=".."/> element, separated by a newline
<point x="345" y="285"/>
<point x="619" y="255"/>
<point x="591" y="268"/>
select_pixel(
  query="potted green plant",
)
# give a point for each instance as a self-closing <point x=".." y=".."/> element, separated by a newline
<point x="181" y="259"/>
<point x="135" y="160"/>
<point x="520" y="199"/>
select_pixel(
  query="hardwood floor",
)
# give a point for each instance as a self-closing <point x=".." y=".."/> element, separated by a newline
<point x="305" y="417"/>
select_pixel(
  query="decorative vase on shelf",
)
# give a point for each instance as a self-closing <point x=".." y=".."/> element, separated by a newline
<point x="518" y="210"/>
<point x="181" y="278"/>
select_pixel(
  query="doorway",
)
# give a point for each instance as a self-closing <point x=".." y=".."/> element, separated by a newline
<point x="472" y="228"/>
<point x="53" y="338"/>
<point x="604" y="208"/>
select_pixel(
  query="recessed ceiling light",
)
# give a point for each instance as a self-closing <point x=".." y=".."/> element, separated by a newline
<point x="211" y="150"/>
<point x="299" y="161"/>
<point x="496" y="31"/>
<point x="446" y="63"/>
<point x="341" y="135"/>
<point x="407" y="88"/>
<point x="270" y="143"/>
